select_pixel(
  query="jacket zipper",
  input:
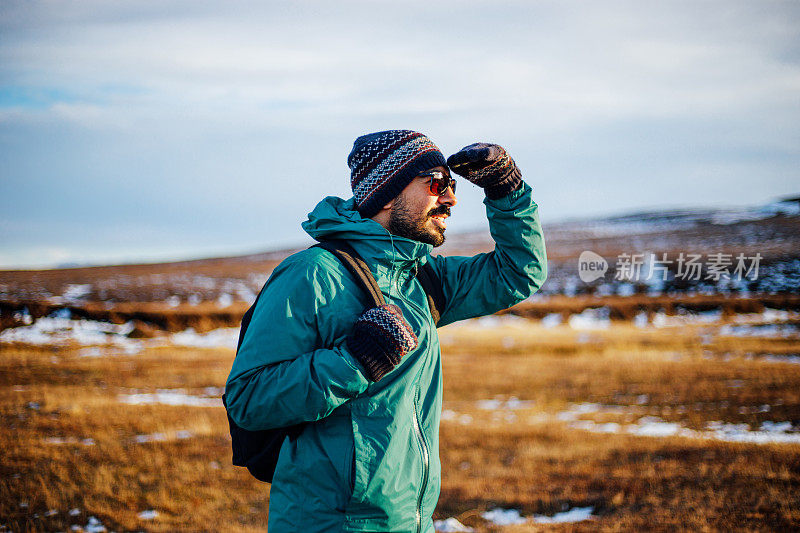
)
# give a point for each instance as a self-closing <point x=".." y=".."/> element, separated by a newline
<point x="425" y="466"/>
<point x="423" y="446"/>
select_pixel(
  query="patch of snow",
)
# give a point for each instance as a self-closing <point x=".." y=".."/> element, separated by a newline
<point x="577" y="410"/>
<point x="153" y="437"/>
<point x="60" y="330"/>
<point x="576" y="514"/>
<point x="589" y="425"/>
<point x="94" y="526"/>
<point x="552" y="320"/>
<point x="760" y="330"/>
<point x="626" y="289"/>
<point x="788" y="359"/>
<point x="662" y="320"/>
<point x="75" y="292"/>
<point x="148" y="515"/>
<point x="162" y="437"/>
<point x="451" y="525"/>
<point x="652" y="426"/>
<point x="504" y="517"/>
<point x="74" y="512"/>
<point x="69" y="440"/>
<point x="782" y="207"/>
<point x="731" y="216"/>
<point x="768" y="433"/>
<point x="448" y="415"/>
<point x="224" y="300"/>
<point x="169" y="397"/>
<point x="590" y="319"/>
<point x="512" y="403"/>
<point x="497" y="321"/>
<point x="767" y="316"/>
<point x="217" y="338"/>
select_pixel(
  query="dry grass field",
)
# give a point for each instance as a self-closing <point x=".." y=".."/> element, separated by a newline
<point x="639" y="424"/>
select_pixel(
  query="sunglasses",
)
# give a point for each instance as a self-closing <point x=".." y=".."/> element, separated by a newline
<point x="440" y="182"/>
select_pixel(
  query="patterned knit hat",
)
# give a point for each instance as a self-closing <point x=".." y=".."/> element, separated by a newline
<point x="382" y="164"/>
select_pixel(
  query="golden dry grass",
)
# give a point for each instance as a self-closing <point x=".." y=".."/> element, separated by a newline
<point x="524" y="459"/>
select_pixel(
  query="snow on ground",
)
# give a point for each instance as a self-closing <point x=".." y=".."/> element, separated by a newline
<point x="590" y="319"/>
<point x="498" y="403"/>
<point x="162" y="437"/>
<point x="788" y="359"/>
<point x="93" y="526"/>
<point x="181" y="434"/>
<point x="576" y="514"/>
<point x="497" y="321"/>
<point x="60" y="329"/>
<point x="653" y="426"/>
<point x="150" y="514"/>
<point x="769" y="432"/>
<point x="511" y="517"/>
<point x="504" y="517"/>
<point x="767" y="316"/>
<point x="552" y="320"/>
<point x="217" y="338"/>
<point x="760" y="330"/>
<point x="662" y="320"/>
<point x="69" y="440"/>
<point x="451" y="525"/>
<point x="450" y="415"/>
<point x="63" y="330"/>
<point x="172" y="397"/>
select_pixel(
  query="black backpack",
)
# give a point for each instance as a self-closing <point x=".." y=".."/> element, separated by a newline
<point x="258" y="450"/>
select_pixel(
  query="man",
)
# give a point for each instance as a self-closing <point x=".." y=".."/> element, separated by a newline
<point x="369" y="381"/>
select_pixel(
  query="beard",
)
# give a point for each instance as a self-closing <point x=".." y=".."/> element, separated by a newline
<point x="404" y="222"/>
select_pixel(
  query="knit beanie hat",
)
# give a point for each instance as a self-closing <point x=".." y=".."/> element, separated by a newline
<point x="382" y="164"/>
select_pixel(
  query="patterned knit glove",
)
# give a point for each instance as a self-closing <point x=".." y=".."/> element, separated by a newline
<point x="487" y="166"/>
<point x="380" y="339"/>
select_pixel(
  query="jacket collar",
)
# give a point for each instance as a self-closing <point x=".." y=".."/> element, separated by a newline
<point x="335" y="218"/>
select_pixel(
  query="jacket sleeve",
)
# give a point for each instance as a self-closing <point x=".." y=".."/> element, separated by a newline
<point x="280" y="375"/>
<point x="488" y="282"/>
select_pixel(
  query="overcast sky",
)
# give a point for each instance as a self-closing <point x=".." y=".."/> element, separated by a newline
<point x="147" y="130"/>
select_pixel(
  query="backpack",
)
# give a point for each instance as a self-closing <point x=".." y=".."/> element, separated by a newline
<point x="258" y="450"/>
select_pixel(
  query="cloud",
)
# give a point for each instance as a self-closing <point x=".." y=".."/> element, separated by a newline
<point x="165" y="109"/>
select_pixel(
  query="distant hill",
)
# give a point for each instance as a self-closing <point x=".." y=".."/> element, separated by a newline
<point x="772" y="230"/>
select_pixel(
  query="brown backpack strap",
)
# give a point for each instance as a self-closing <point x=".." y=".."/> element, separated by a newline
<point x="357" y="267"/>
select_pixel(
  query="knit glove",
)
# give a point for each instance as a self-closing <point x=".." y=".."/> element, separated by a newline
<point x="380" y="339"/>
<point x="487" y="166"/>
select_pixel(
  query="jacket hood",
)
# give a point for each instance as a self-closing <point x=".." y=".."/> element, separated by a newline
<point x="336" y="218"/>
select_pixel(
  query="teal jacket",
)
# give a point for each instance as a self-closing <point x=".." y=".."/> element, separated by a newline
<point x="369" y="459"/>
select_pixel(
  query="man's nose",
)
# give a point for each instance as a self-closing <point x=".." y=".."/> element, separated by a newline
<point x="449" y="198"/>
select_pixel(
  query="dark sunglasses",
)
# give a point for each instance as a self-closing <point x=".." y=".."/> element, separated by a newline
<point x="440" y="182"/>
